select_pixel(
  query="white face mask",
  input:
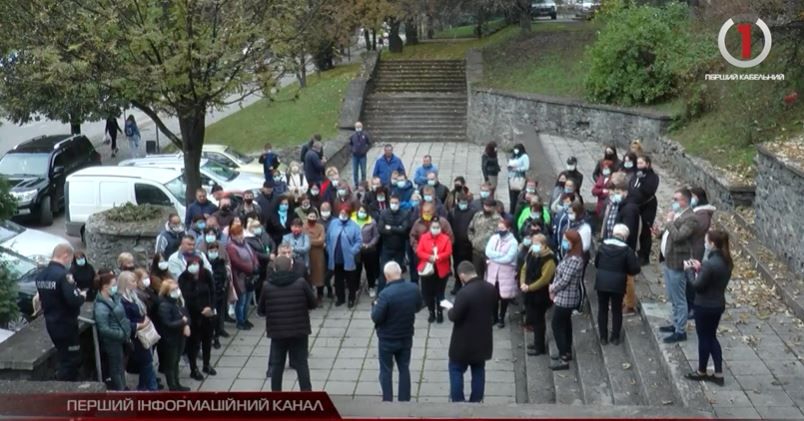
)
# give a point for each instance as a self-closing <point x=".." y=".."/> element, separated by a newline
<point x="163" y="265"/>
<point x="570" y="167"/>
<point x="175" y="294"/>
<point x="193" y="269"/>
<point x="146" y="282"/>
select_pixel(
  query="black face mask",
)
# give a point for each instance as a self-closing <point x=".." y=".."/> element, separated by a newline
<point x="249" y="201"/>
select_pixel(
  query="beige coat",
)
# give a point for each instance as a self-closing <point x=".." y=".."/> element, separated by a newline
<point x="317" y="259"/>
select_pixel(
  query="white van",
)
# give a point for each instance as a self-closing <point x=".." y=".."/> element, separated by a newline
<point x="96" y="189"/>
<point x="212" y="172"/>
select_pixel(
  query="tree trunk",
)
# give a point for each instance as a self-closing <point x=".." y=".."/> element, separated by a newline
<point x="192" y="124"/>
<point x="525" y="19"/>
<point x="481" y="21"/>
<point x="174" y="139"/>
<point x="301" y="74"/>
<point x="411" y="32"/>
<point x="373" y="40"/>
<point x="75" y="128"/>
<point x="367" y="38"/>
<point x="394" y="40"/>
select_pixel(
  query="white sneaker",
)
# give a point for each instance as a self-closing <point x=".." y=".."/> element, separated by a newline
<point x="372" y="293"/>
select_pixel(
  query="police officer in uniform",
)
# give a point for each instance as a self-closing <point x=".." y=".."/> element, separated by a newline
<point x="61" y="303"/>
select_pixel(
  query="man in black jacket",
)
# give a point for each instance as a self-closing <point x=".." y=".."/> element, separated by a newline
<point x="267" y="201"/>
<point x="471" y="344"/>
<point x="393" y="314"/>
<point x="459" y="218"/>
<point x="286" y="300"/>
<point x="394" y="227"/>
<point x="61" y="303"/>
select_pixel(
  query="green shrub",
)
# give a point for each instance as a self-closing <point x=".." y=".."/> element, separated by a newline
<point x="133" y="213"/>
<point x="644" y="54"/>
<point x="8" y="297"/>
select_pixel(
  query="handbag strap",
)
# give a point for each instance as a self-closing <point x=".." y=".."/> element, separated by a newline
<point x="111" y="309"/>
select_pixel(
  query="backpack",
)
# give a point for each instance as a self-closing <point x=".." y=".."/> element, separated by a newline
<point x="129" y="130"/>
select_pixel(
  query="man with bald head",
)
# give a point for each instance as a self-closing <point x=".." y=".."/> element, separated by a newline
<point x="61" y="304"/>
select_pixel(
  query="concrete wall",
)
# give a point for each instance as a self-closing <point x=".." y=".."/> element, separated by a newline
<point x="504" y="117"/>
<point x="780" y="199"/>
<point x="107" y="239"/>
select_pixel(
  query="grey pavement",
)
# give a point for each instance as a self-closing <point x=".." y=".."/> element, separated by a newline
<point x="343" y="345"/>
<point x="762" y="349"/>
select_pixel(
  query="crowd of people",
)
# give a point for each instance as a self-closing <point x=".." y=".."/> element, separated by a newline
<point x="310" y="236"/>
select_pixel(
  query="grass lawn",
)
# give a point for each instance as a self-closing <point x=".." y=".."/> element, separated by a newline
<point x="449" y="50"/>
<point x="468" y="31"/>
<point x="290" y="117"/>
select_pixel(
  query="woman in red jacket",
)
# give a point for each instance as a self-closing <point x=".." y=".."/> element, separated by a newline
<point x="601" y="188"/>
<point x="435" y="248"/>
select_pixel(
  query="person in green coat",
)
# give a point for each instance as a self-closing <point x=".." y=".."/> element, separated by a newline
<point x="114" y="329"/>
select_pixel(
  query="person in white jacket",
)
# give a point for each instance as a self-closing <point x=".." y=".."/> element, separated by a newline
<point x="518" y="166"/>
<point x="297" y="182"/>
<point x="177" y="263"/>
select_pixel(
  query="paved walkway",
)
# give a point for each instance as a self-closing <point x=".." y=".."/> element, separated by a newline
<point x="761" y="340"/>
<point x="343" y="345"/>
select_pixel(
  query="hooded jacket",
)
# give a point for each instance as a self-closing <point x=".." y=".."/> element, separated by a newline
<point x="286" y="301"/>
<point x="704" y="215"/>
<point x="614" y="262"/>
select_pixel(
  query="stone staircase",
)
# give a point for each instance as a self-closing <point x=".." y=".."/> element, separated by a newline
<point x="417" y="100"/>
<point x="630" y="374"/>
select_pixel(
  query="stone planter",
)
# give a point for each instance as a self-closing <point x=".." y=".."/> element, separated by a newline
<point x="106" y="239"/>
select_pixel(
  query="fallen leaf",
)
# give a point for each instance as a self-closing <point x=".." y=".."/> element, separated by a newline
<point x="626" y="366"/>
<point x="667" y="402"/>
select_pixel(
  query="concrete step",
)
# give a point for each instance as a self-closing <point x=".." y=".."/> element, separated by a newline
<point x="655" y="387"/>
<point x="434" y="103"/>
<point x="418" y="97"/>
<point x="422" y="88"/>
<point x="619" y="364"/>
<point x="388" y="81"/>
<point x="566" y="382"/>
<point x="421" y="138"/>
<point x="594" y="380"/>
<point x="410" y="114"/>
<point x="421" y="65"/>
<point x="422" y="76"/>
<point x="539" y="376"/>
<point x="413" y="128"/>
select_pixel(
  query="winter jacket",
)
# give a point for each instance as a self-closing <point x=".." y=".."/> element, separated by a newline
<point x="710" y="284"/>
<point x="368" y="231"/>
<point x="300" y="245"/>
<point x="359" y="143"/>
<point x="471" y="341"/>
<point x="171" y="322"/>
<point x="195" y="208"/>
<point x="224" y="216"/>
<point x="286" y="301"/>
<point x="385" y="166"/>
<point x="350" y="241"/>
<point x="501" y="253"/>
<point x="277" y="227"/>
<point x="177" y="263"/>
<point x="111" y="321"/>
<point x="459" y="220"/>
<point x="677" y="239"/>
<point x="375" y="207"/>
<point x="704" y="215"/>
<point x="614" y="261"/>
<point x="421" y="227"/>
<point x="270" y="162"/>
<point x="394" y="228"/>
<point x="297" y="184"/>
<point x="404" y="193"/>
<point x="198" y="293"/>
<point x="567" y="282"/>
<point x="443" y="246"/>
<point x="481" y="229"/>
<point x="313" y="167"/>
<point x="518" y="165"/>
<point x="394" y="313"/>
<point x="420" y="176"/>
<point x="168" y="241"/>
<point x="244" y="264"/>
<point x="601" y="183"/>
<point x="642" y="188"/>
<point x="267" y="206"/>
<point x="244" y="212"/>
<point x="489" y="166"/>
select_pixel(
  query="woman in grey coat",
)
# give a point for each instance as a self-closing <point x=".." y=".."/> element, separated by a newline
<point x="369" y="255"/>
<point x="114" y="328"/>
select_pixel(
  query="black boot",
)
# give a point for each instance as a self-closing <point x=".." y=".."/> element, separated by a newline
<point x="439" y="315"/>
<point x="196" y="375"/>
<point x="209" y="370"/>
<point x="432" y="317"/>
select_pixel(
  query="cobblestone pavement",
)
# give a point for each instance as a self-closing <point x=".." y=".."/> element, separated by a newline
<point x="343" y="345"/>
<point x="762" y="351"/>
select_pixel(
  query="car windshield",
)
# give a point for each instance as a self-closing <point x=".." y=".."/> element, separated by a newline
<point x="25" y="164"/>
<point x="221" y="171"/>
<point x="9" y="230"/>
<point x="241" y="158"/>
<point x="177" y="189"/>
<point x="17" y="265"/>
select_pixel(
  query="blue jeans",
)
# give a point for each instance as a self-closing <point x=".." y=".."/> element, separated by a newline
<point x="413" y="264"/>
<point x="147" y="379"/>
<point x="241" y="307"/>
<point x="456" y="370"/>
<point x="675" y="283"/>
<point x="399" y="350"/>
<point x="358" y="169"/>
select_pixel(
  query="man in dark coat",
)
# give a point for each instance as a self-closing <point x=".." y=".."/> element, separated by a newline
<point x="314" y="164"/>
<point x="286" y="300"/>
<point x="471" y="344"/>
<point x="61" y="303"/>
<point x="360" y="144"/>
<point x="201" y="206"/>
<point x="459" y="218"/>
<point x="394" y="226"/>
<point x="394" y="314"/>
<point x="267" y="201"/>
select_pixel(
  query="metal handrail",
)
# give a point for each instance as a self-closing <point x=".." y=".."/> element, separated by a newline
<point x="95" y="344"/>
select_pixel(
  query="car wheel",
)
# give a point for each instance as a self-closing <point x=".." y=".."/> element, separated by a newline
<point x="553" y="16"/>
<point x="46" y="211"/>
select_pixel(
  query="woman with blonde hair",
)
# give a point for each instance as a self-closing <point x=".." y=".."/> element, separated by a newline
<point x="636" y="147"/>
<point x="297" y="182"/>
<point x="137" y="314"/>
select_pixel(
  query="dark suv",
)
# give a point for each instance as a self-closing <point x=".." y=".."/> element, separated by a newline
<point x="37" y="168"/>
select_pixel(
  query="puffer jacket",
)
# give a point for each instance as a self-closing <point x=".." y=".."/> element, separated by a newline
<point x="502" y="253"/>
<point x="110" y="320"/>
<point x="481" y="229"/>
<point x="394" y="228"/>
<point x="420" y="227"/>
<point x="286" y="301"/>
<point x="614" y="262"/>
<point x="704" y="215"/>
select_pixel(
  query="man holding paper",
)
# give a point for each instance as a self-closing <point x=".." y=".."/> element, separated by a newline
<point x="393" y="314"/>
<point x="471" y="344"/>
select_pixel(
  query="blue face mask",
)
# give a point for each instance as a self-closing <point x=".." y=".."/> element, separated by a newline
<point x="209" y="238"/>
<point x="113" y="290"/>
<point x="201" y="225"/>
<point x="394" y="206"/>
<point x="536" y="248"/>
<point x="565" y="244"/>
<point x="283" y="207"/>
<point x="361" y="215"/>
<point x="617" y="198"/>
<point x="694" y="201"/>
<point x="463" y="206"/>
<point x="401" y="184"/>
<point x="484" y="194"/>
<point x="258" y="231"/>
<point x="81" y="261"/>
<point x="567" y="190"/>
<point x="212" y="255"/>
<point x="676" y="207"/>
<point x="428" y="198"/>
<point x="414" y="202"/>
<point x="526" y="242"/>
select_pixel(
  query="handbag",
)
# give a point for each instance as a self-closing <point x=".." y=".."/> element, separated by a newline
<point x="517" y="181"/>
<point x="429" y="267"/>
<point x="148" y="336"/>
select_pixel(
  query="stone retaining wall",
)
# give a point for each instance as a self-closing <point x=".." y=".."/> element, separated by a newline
<point x="504" y="116"/>
<point x="106" y="239"/>
<point x="780" y="199"/>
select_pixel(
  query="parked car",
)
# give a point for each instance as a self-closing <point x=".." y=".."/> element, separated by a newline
<point x="586" y="9"/>
<point x="212" y="173"/>
<point x="232" y="158"/>
<point x="23" y="271"/>
<point x="38" y="167"/>
<point x="97" y="189"/>
<point x="544" y="8"/>
<point x="31" y="243"/>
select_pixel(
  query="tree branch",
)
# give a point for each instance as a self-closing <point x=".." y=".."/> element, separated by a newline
<point x="175" y="139"/>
